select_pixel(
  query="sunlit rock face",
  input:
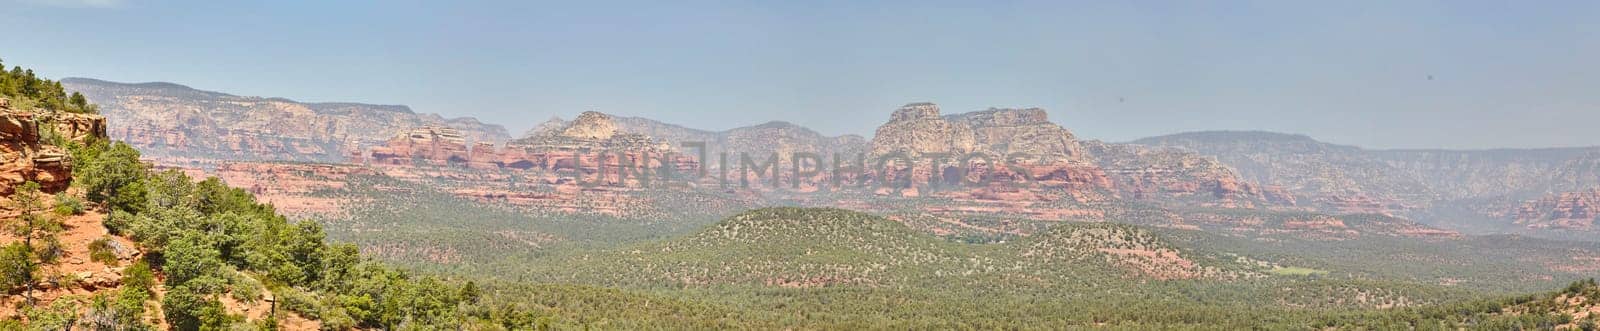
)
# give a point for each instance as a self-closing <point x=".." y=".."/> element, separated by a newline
<point x="27" y="155"/>
<point x="170" y="120"/>
<point x="917" y="129"/>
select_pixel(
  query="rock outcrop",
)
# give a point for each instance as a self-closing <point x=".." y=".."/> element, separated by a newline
<point x="782" y="138"/>
<point x="1150" y="173"/>
<point x="591" y="130"/>
<point x="170" y="120"/>
<point x="1057" y="159"/>
<point x="759" y="142"/>
<point x="26" y="153"/>
<point x="1446" y="187"/>
<point x="1568" y="210"/>
<point x="590" y="145"/>
<point x="917" y="129"/>
<point x="436" y="145"/>
<point x="1020" y="131"/>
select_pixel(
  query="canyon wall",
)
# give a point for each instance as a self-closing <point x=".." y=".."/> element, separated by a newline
<point x="1467" y="188"/>
<point x="170" y="120"/>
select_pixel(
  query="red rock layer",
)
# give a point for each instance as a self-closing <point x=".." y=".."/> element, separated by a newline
<point x="1568" y="210"/>
<point x="25" y="156"/>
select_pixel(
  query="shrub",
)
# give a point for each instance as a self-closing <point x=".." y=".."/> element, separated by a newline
<point x="187" y="310"/>
<point x="298" y="301"/>
<point x="58" y="316"/>
<point x="101" y="250"/>
<point x="67" y="205"/>
<point x="139" y="277"/>
<point x="243" y="288"/>
<point x="118" y="221"/>
<point x="15" y="269"/>
<point x="67" y="280"/>
<point x="49" y="250"/>
<point x="124" y="311"/>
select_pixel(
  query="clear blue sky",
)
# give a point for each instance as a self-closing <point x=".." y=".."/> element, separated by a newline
<point x="1506" y="74"/>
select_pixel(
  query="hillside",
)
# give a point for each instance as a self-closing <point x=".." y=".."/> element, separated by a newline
<point x="97" y="240"/>
<point x="1572" y="308"/>
<point x="796" y="247"/>
<point x="1117" y="235"/>
<point x="825" y="247"/>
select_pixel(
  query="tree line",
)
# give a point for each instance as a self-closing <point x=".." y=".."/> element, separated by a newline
<point x="27" y="90"/>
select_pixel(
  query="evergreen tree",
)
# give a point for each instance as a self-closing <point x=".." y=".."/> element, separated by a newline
<point x="30" y="224"/>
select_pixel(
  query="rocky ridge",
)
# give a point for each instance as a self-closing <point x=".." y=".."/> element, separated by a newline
<point x="1059" y="159"/>
<point x="758" y="141"/>
<point x="170" y="120"/>
<point x="1445" y="187"/>
<point x="1053" y="157"/>
<point x="1566" y="210"/>
<point x="917" y="129"/>
<point x="1147" y="173"/>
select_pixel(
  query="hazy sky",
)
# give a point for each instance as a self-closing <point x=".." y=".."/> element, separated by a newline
<point x="1504" y="73"/>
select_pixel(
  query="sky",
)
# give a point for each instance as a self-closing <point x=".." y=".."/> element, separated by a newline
<point x="1378" y="74"/>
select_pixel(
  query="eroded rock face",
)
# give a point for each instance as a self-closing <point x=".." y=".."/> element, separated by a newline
<point x="1089" y="170"/>
<point x="550" y="125"/>
<point x="1567" y="210"/>
<point x="1418" y="183"/>
<point x="917" y="129"/>
<point x="436" y="145"/>
<point x="26" y="155"/>
<point x="170" y="120"/>
<point x="1049" y="156"/>
<point x="590" y="126"/>
<point x="590" y="131"/>
<point x="77" y="127"/>
<point x="589" y="145"/>
<point x="1026" y="131"/>
<point x="1145" y="173"/>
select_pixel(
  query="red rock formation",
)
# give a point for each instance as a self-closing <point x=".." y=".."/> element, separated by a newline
<point x="438" y="146"/>
<point x="169" y="120"/>
<point x="25" y="155"/>
<point x="917" y="129"/>
<point x="1051" y="157"/>
<point x="589" y="148"/>
<point x="1567" y="210"/>
<point x="1352" y="204"/>
<point x="1144" y="172"/>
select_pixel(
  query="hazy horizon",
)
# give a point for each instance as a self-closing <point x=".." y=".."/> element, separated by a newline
<point x="1481" y="76"/>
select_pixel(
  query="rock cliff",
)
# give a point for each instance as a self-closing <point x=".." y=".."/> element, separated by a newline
<point x="1144" y="172"/>
<point x="1566" y="210"/>
<point x="170" y="120"/>
<point x="1445" y="187"/>
<point x="1058" y="159"/>
<point x="27" y="152"/>
<point x="917" y="129"/>
<point x="1024" y="131"/>
<point x="437" y="145"/>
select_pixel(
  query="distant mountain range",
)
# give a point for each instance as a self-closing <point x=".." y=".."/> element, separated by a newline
<point x="1487" y="191"/>
<point x="171" y="120"/>
<point x="1473" y="189"/>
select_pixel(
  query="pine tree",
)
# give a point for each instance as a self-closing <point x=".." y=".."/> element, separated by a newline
<point x="26" y="200"/>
